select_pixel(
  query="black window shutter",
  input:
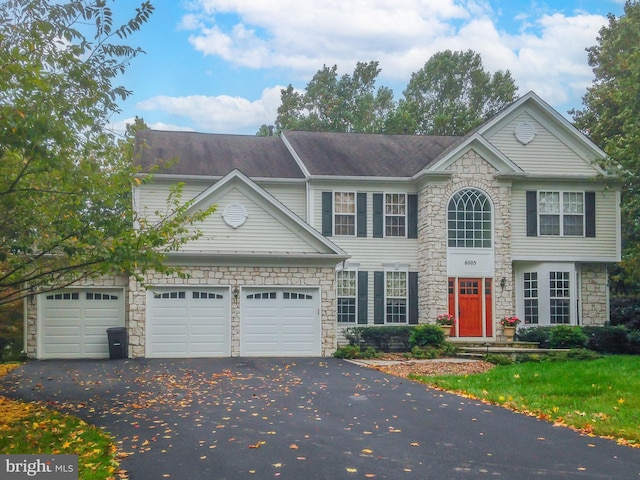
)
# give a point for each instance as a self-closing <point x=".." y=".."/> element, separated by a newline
<point x="590" y="214"/>
<point x="412" y="216"/>
<point x="413" y="298"/>
<point x="378" y="215"/>
<point x="378" y="297"/>
<point x="362" y="214"/>
<point x="327" y="214"/>
<point x="532" y="214"/>
<point x="363" y="297"/>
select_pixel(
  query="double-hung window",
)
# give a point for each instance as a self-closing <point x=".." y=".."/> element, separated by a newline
<point x="531" y="298"/>
<point x="559" y="298"/>
<point x="344" y="216"/>
<point x="346" y="287"/>
<point x="561" y="213"/>
<point x="396" y="293"/>
<point x="395" y="214"/>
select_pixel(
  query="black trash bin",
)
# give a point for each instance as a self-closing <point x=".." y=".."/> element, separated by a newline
<point x="117" y="342"/>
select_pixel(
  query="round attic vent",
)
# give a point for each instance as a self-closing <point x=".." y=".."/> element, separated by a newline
<point x="525" y="132"/>
<point x="234" y="215"/>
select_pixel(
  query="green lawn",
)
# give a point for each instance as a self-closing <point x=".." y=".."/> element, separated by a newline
<point x="601" y="396"/>
<point x="27" y="428"/>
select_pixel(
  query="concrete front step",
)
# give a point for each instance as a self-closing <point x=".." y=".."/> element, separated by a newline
<point x="463" y="344"/>
<point x="479" y="352"/>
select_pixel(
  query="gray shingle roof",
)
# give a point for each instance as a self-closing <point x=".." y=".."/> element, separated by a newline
<point x="364" y="154"/>
<point x="215" y="155"/>
<point x="322" y="153"/>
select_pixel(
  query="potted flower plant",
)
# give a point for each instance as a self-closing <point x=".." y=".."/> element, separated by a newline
<point x="509" y="324"/>
<point x="446" y="321"/>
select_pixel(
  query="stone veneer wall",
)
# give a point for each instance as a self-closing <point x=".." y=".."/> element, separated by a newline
<point x="323" y="277"/>
<point x="594" y="294"/>
<point x="31" y="307"/>
<point x="469" y="171"/>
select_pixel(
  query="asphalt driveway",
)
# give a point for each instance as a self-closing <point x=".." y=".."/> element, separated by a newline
<point x="240" y="418"/>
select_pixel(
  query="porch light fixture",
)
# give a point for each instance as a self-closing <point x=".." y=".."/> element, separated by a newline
<point x="235" y="293"/>
<point x="503" y="283"/>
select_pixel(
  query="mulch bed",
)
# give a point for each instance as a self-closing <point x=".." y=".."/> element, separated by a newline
<point x="406" y="367"/>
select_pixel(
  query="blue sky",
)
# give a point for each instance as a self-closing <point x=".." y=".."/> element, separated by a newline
<point x="218" y="65"/>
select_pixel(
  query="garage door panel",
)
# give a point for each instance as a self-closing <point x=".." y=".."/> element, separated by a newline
<point x="74" y="322"/>
<point x="280" y="322"/>
<point x="170" y="330"/>
<point x="188" y="322"/>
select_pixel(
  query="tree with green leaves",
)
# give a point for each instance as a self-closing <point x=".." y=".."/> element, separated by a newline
<point x="65" y="180"/>
<point x="610" y="116"/>
<point x="451" y="95"/>
<point x="351" y="103"/>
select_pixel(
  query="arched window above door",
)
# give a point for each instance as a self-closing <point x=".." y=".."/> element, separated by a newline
<point x="469" y="222"/>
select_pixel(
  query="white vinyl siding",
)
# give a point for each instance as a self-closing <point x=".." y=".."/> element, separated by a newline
<point x="369" y="253"/>
<point x="152" y="197"/>
<point x="262" y="231"/>
<point x="605" y="246"/>
<point x="544" y="155"/>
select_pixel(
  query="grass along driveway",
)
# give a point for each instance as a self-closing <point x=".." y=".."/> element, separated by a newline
<point x="30" y="428"/>
<point x="598" y="397"/>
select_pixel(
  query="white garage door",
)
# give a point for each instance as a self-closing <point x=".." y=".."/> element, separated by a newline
<point x="280" y="322"/>
<point x="74" y="322"/>
<point x="188" y="322"/>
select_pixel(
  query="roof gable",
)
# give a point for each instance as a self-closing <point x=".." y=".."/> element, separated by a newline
<point x="475" y="142"/>
<point x="269" y="230"/>
<point x="530" y="130"/>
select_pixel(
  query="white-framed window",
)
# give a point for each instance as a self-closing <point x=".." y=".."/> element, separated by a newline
<point x="395" y="214"/>
<point x="344" y="213"/>
<point x="561" y="213"/>
<point x="531" y="316"/>
<point x="546" y="293"/>
<point x="469" y="222"/>
<point x="396" y="297"/>
<point x="559" y="298"/>
<point x="346" y="293"/>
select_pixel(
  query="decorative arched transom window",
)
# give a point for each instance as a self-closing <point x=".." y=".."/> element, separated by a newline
<point x="469" y="219"/>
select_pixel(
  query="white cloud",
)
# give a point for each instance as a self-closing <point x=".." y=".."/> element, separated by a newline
<point x="544" y="51"/>
<point x="220" y="114"/>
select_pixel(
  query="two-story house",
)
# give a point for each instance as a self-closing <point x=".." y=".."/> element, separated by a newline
<point x="316" y="232"/>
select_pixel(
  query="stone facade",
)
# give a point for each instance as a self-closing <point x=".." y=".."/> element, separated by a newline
<point x="237" y="276"/>
<point x="594" y="293"/>
<point x="469" y="171"/>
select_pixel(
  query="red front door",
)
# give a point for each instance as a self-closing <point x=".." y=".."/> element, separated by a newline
<point x="470" y="307"/>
